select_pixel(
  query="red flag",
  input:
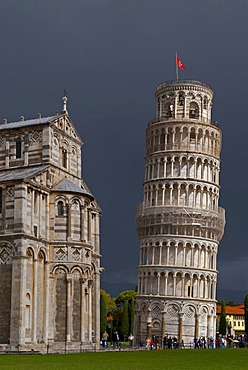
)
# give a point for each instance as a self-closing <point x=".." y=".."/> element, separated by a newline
<point x="179" y="63"/>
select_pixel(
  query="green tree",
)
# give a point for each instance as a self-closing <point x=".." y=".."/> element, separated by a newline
<point x="103" y="313"/>
<point x="125" y="320"/>
<point x="110" y="302"/>
<point x="246" y="313"/>
<point x="127" y="295"/>
<point x="131" y="315"/>
<point x="222" y="325"/>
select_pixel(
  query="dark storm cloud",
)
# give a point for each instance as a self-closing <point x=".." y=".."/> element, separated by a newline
<point x="109" y="55"/>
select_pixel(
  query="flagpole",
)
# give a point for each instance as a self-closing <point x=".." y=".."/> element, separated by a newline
<point x="176" y="67"/>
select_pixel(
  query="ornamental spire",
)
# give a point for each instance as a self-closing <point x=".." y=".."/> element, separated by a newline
<point x="65" y="102"/>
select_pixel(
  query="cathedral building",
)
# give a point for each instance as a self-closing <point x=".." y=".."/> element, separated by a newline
<point x="179" y="222"/>
<point x="49" y="239"/>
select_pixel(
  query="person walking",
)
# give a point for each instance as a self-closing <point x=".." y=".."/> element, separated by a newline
<point x="105" y="339"/>
<point x="131" y="338"/>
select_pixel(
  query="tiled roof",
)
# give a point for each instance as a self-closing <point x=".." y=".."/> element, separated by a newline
<point x="68" y="186"/>
<point x="19" y="124"/>
<point x="232" y="310"/>
<point x="21" y="173"/>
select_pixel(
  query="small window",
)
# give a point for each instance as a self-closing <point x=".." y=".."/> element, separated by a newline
<point x="193" y="110"/>
<point x="205" y="103"/>
<point x="181" y="100"/>
<point x="35" y="231"/>
<point x="64" y="158"/>
<point x="192" y="137"/>
<point x="188" y="291"/>
<point x="18" y="148"/>
<point x="60" y="206"/>
<point x="35" y="202"/>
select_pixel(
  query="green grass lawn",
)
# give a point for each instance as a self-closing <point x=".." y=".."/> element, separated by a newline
<point x="233" y="359"/>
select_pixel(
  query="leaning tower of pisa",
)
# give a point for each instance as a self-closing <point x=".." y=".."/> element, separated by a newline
<point x="179" y="222"/>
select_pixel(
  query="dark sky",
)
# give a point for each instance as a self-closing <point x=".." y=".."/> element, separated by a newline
<point x="110" y="55"/>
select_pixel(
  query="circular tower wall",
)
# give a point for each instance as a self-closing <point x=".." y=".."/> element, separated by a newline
<point x="179" y="222"/>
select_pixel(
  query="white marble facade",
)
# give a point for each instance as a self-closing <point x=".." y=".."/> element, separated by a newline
<point x="179" y="222"/>
<point x="49" y="239"/>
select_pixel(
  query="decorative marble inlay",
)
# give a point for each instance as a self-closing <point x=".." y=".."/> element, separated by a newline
<point x="5" y="255"/>
<point x="173" y="311"/>
<point x="35" y="136"/>
<point x="76" y="254"/>
<point x="156" y="311"/>
<point x="61" y="254"/>
<point x="1" y="142"/>
<point x="10" y="192"/>
<point x="189" y="312"/>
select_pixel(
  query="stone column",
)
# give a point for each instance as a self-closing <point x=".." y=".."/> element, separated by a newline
<point x="32" y="211"/>
<point x="149" y="323"/>
<point x="83" y="309"/>
<point x="183" y="287"/>
<point x="35" y="281"/>
<point x="176" y="247"/>
<point x="166" y="284"/>
<point x="160" y="254"/>
<point x="184" y="255"/>
<point x="192" y="256"/>
<point x="172" y="167"/>
<point x="163" y="195"/>
<point x="180" y="334"/>
<point x="178" y="193"/>
<point x="40" y="234"/>
<point x="158" y="285"/>
<point x="26" y="154"/>
<point x="97" y="309"/>
<point x="3" y="209"/>
<point x="68" y="308"/>
<point x="165" y="164"/>
<point x="46" y="302"/>
<point x="214" y="327"/>
<point x="168" y="255"/>
<point x="137" y="326"/>
<point x="68" y="221"/>
<point x="163" y="324"/>
<point x="145" y="285"/>
<point x="7" y="154"/>
<point x="90" y="284"/>
<point x="208" y="326"/>
<point x="47" y="216"/>
<point x="82" y="238"/>
<point x="197" y="325"/>
<point x="153" y="252"/>
<point x="17" y="322"/>
<point x="89" y="225"/>
<point x="174" y="285"/>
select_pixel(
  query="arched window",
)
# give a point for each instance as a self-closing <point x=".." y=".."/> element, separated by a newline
<point x="60" y="206"/>
<point x="193" y="110"/>
<point x="18" y="148"/>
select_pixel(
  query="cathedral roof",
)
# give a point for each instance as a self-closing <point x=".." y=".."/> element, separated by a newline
<point x="21" y="173"/>
<point x="30" y="122"/>
<point x="67" y="186"/>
